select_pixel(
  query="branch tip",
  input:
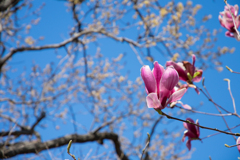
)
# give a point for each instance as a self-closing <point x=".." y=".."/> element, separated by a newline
<point x="69" y="146"/>
<point x="229" y="69"/>
<point x="226" y="145"/>
<point x="203" y="80"/>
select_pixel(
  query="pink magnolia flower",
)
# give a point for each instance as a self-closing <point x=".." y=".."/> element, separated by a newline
<point x="160" y="85"/>
<point x="187" y="71"/>
<point x="192" y="132"/>
<point x="227" y="21"/>
<point x="238" y="142"/>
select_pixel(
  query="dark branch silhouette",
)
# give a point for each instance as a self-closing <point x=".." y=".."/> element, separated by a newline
<point x="36" y="146"/>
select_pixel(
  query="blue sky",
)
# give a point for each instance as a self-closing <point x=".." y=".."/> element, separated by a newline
<point x="56" y="22"/>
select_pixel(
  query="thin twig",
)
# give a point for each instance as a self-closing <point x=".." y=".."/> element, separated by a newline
<point x="8" y="138"/>
<point x="210" y="114"/>
<point x="231" y="146"/>
<point x="219" y="132"/>
<point x="68" y="149"/>
<point x="106" y="124"/>
<point x="12" y="120"/>
<point x="210" y="99"/>
<point x="43" y="115"/>
<point x="203" y="80"/>
<point x="152" y="132"/>
<point x="232" y="70"/>
<point x="145" y="146"/>
<point x="230" y="92"/>
<point x="216" y="105"/>
<point x="138" y="57"/>
<point x="213" y="129"/>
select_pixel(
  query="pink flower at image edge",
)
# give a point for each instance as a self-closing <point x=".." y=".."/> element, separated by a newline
<point x="227" y="21"/>
<point x="238" y="142"/>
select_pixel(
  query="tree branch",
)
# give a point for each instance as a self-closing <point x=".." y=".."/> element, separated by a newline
<point x="51" y="46"/>
<point x="213" y="129"/>
<point x="25" y="130"/>
<point x="62" y="44"/>
<point x="5" y="4"/>
<point x="36" y="147"/>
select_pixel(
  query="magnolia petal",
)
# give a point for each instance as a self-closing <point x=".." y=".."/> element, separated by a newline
<point x="193" y="59"/>
<point x="238" y="21"/>
<point x="229" y="25"/>
<point x="235" y="10"/>
<point x="168" y="81"/>
<point x="148" y="79"/>
<point x="188" y="144"/>
<point x="186" y="106"/>
<point x="221" y="20"/>
<point x="153" y="101"/>
<point x="226" y="10"/>
<point x="146" y="90"/>
<point x="232" y="9"/>
<point x="197" y="127"/>
<point x="185" y="135"/>
<point x="191" y="127"/>
<point x="229" y="34"/>
<point x="173" y="104"/>
<point x="221" y="13"/>
<point x="189" y="67"/>
<point x="176" y="95"/>
<point x="185" y="125"/>
<point x="190" y="135"/>
<point x="158" y="72"/>
<point x="198" y="77"/>
<point x="181" y="72"/>
<point x="238" y="142"/>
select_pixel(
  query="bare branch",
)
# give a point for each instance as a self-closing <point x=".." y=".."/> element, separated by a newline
<point x="5" y="4"/>
<point x="213" y="129"/>
<point x="210" y="114"/>
<point x="43" y="115"/>
<point x="230" y="92"/>
<point x="219" y="132"/>
<point x="148" y="141"/>
<point x="36" y="147"/>
<point x="51" y="46"/>
<point x="24" y="129"/>
<point x="231" y="146"/>
<point x="232" y="70"/>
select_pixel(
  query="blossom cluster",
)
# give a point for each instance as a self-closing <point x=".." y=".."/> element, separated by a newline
<point x="164" y="90"/>
<point x="163" y="87"/>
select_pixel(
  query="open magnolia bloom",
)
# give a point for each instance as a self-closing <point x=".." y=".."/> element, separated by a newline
<point x="227" y="21"/>
<point x="160" y="85"/>
<point x="192" y="132"/>
<point x="187" y="71"/>
<point x="238" y="142"/>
